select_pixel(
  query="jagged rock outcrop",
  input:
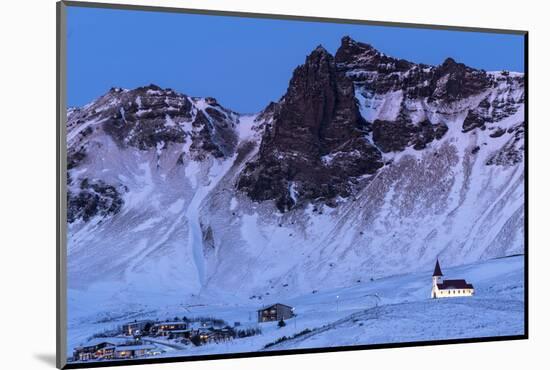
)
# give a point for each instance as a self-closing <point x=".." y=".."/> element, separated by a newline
<point x="502" y="103"/>
<point x="398" y="135"/>
<point x="511" y="152"/>
<point x="94" y="198"/>
<point x="380" y="74"/>
<point x="149" y="118"/>
<point x="316" y="142"/>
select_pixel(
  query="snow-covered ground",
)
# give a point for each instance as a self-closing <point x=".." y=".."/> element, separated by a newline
<point x="387" y="310"/>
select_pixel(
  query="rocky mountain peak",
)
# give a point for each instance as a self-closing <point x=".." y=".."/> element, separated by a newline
<point x="317" y="64"/>
<point x="316" y="141"/>
<point x="349" y="49"/>
<point x="150" y="117"/>
<point x="320" y="49"/>
<point x="377" y="73"/>
<point x="453" y="81"/>
<point x="449" y="63"/>
<point x="354" y="54"/>
<point x="151" y="87"/>
<point x="210" y="100"/>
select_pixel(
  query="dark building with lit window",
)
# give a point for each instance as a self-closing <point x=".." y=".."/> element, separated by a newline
<point x="168" y="327"/>
<point x="275" y="312"/>
<point x="132" y="328"/>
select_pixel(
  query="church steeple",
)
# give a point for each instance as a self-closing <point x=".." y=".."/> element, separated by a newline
<point x="435" y="279"/>
<point x="437" y="270"/>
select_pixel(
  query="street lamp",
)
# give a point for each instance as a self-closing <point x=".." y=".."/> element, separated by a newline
<point x="337" y="297"/>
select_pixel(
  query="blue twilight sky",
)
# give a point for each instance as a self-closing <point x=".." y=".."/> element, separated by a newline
<point x="244" y="63"/>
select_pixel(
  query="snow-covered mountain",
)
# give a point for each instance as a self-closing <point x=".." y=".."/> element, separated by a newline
<point x="368" y="166"/>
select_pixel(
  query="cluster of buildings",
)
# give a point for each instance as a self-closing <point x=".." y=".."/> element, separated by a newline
<point x="204" y="331"/>
<point x="113" y="349"/>
<point x="131" y="345"/>
<point x="150" y="327"/>
<point x="195" y="332"/>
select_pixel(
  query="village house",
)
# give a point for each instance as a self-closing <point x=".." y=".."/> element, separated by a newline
<point x="136" y="327"/>
<point x="214" y="335"/>
<point x="98" y="349"/>
<point x="104" y="350"/>
<point x="183" y="333"/>
<point x="134" y="351"/>
<point x="275" y="312"/>
<point x="221" y="335"/>
<point x="169" y="327"/>
<point x="449" y="288"/>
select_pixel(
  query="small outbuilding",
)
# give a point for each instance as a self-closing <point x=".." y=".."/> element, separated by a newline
<point x="275" y="312"/>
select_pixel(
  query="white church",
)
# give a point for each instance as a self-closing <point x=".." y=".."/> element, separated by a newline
<point x="449" y="288"/>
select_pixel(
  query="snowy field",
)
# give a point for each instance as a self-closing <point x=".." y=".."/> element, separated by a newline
<point x="388" y="310"/>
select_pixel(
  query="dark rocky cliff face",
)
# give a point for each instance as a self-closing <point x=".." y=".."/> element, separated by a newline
<point x="94" y="197"/>
<point x="378" y="73"/>
<point x="316" y="142"/>
<point x="318" y="145"/>
<point x="397" y="135"/>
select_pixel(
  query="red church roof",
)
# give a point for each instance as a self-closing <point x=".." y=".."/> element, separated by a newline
<point x="455" y="284"/>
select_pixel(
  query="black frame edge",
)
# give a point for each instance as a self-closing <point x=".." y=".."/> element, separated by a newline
<point x="114" y="363"/>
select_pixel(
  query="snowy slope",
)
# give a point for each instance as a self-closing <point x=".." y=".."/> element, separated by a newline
<point x="442" y="201"/>
<point x="387" y="310"/>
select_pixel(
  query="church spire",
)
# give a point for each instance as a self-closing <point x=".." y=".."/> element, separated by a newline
<point x="437" y="270"/>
